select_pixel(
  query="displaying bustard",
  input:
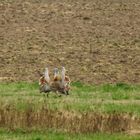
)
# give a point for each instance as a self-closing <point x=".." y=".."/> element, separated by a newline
<point x="59" y="84"/>
<point x="65" y="81"/>
<point x="44" y="82"/>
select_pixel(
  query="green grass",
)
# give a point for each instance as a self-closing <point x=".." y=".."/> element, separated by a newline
<point x="109" y="98"/>
<point x="53" y="135"/>
<point x="104" y="98"/>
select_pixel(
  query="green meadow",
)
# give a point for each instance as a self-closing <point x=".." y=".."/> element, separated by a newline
<point x="83" y="98"/>
<point x="52" y="135"/>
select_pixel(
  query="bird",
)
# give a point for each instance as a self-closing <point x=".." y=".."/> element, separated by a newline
<point x="44" y="82"/>
<point x="59" y="84"/>
<point x="65" y="81"/>
<point x="56" y="84"/>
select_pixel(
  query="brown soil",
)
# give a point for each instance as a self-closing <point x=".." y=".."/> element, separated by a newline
<point x="97" y="41"/>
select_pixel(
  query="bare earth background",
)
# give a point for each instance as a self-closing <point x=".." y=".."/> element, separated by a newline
<point x="97" y="41"/>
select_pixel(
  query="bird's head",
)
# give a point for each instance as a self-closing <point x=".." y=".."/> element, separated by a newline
<point x="64" y="70"/>
<point x="56" y="70"/>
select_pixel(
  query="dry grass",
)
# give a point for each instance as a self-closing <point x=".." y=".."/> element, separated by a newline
<point x="66" y="121"/>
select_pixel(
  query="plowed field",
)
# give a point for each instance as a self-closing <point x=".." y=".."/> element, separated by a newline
<point x="97" y="41"/>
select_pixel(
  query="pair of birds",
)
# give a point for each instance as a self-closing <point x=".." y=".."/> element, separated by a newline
<point x="60" y="82"/>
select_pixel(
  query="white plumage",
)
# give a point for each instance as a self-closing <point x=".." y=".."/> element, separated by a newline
<point x="60" y="82"/>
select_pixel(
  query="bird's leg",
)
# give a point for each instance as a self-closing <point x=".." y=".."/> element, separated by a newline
<point x="47" y="94"/>
<point x="58" y="94"/>
<point x="67" y="92"/>
<point x="40" y="89"/>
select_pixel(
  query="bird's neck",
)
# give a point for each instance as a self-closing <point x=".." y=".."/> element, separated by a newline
<point x="47" y="78"/>
<point x="63" y="77"/>
<point x="55" y="74"/>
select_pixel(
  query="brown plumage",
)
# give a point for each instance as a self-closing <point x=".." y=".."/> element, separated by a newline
<point x="56" y="84"/>
<point x="60" y="82"/>
<point x="44" y="82"/>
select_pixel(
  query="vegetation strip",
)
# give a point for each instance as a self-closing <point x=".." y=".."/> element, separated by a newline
<point x="22" y="106"/>
<point x="54" y="135"/>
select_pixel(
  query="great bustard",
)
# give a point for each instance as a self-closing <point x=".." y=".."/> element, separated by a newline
<point x="60" y="82"/>
<point x="65" y="81"/>
<point x="44" y="82"/>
